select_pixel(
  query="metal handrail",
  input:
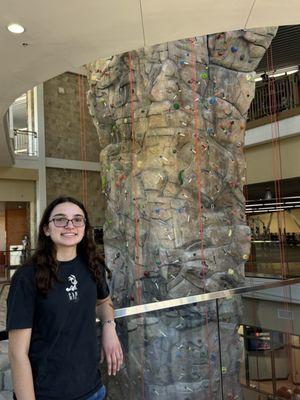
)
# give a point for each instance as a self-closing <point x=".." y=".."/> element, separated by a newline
<point x="199" y="298"/>
<point x="26" y="131"/>
<point x="284" y="89"/>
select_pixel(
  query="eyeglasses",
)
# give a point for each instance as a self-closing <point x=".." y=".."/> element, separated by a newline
<point x="62" y="222"/>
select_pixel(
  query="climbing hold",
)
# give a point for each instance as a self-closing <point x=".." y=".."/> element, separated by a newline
<point x="103" y="182"/>
<point x="212" y="100"/>
<point x="180" y="176"/>
<point x="233" y="49"/>
<point x="176" y="106"/>
<point x="204" y="75"/>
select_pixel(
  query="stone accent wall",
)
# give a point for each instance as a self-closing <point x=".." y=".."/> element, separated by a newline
<point x="69" y="182"/>
<point x="62" y="120"/>
<point x="62" y="140"/>
<point x="171" y="121"/>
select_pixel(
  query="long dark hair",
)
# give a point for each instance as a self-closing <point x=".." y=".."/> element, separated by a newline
<point x="44" y="257"/>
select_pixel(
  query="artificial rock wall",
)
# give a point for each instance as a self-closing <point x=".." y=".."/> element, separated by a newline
<point x="171" y="122"/>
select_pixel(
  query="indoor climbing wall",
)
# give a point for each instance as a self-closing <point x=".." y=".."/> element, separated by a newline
<point x="171" y="123"/>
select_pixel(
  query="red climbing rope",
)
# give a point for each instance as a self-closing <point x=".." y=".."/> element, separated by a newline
<point x="197" y="163"/>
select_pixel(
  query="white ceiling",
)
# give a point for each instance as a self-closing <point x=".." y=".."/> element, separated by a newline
<point x="64" y="34"/>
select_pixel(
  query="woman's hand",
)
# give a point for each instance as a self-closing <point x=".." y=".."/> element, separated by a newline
<point x="111" y="349"/>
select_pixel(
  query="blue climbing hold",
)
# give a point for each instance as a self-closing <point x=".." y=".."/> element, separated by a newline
<point x="212" y="100"/>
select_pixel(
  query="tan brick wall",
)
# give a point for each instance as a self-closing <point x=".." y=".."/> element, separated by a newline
<point x="69" y="182"/>
<point x="62" y="120"/>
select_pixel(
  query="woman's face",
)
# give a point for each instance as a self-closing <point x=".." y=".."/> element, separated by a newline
<point x="66" y="237"/>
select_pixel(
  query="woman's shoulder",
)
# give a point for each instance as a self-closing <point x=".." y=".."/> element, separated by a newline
<point x="26" y="271"/>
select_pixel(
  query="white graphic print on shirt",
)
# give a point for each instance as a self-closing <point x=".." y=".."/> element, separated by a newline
<point x="72" y="289"/>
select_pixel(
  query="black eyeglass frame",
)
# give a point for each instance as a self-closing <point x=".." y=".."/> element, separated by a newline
<point x="67" y="223"/>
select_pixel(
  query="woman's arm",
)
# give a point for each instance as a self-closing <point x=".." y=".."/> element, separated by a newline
<point x="111" y="348"/>
<point x="18" y="347"/>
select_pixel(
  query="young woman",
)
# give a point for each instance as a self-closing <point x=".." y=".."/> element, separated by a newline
<point x="51" y="316"/>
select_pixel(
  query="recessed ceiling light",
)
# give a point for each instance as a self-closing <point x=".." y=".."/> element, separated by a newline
<point x="15" y="28"/>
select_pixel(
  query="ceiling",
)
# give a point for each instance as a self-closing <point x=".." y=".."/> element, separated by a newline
<point x="284" y="50"/>
<point x="62" y="35"/>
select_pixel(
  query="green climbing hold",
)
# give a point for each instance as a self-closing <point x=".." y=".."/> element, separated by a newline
<point x="204" y="75"/>
<point x="103" y="182"/>
<point x="176" y="106"/>
<point x="180" y="176"/>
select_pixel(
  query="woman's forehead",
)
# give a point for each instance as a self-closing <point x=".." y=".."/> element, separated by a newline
<point x="67" y="209"/>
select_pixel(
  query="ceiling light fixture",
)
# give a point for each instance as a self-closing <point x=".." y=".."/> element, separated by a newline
<point x="15" y="28"/>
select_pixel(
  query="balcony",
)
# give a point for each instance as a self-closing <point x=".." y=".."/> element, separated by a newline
<point x="25" y="143"/>
<point x="275" y="96"/>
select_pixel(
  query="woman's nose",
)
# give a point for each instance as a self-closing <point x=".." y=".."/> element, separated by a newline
<point x="69" y="221"/>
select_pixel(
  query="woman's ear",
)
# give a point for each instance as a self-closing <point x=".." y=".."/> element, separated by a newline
<point x="46" y="230"/>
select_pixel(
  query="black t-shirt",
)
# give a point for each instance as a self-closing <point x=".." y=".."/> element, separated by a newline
<point x="64" y="351"/>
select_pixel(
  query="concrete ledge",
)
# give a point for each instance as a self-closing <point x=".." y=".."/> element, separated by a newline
<point x="72" y="164"/>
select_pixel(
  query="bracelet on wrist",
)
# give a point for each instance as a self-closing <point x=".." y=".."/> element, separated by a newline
<point x="109" y="322"/>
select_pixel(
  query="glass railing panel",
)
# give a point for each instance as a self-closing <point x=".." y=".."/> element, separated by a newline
<point x="229" y="313"/>
<point x="169" y="354"/>
<point x="233" y="344"/>
<point x="268" y="324"/>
